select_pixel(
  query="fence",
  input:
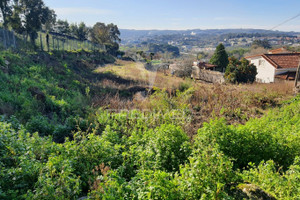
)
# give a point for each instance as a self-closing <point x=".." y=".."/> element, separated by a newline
<point x="45" y="42"/>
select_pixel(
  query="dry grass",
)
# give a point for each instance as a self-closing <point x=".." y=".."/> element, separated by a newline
<point x="236" y="103"/>
<point x="137" y="72"/>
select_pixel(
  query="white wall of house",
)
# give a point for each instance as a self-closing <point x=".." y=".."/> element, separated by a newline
<point x="265" y="71"/>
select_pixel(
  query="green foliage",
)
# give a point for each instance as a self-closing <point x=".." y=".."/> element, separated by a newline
<point x="261" y="43"/>
<point x="44" y="97"/>
<point x="127" y="157"/>
<point x="56" y="181"/>
<point x="162" y="48"/>
<point x="273" y="137"/>
<point x="206" y="174"/>
<point x="108" y="35"/>
<point x="281" y="184"/>
<point x="220" y="57"/>
<point x="240" y="71"/>
<point x="148" y="184"/>
<point x="80" y="31"/>
<point x="164" y="148"/>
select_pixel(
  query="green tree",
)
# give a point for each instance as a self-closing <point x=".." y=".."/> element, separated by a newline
<point x="80" y="31"/>
<point x="240" y="71"/>
<point x="6" y="11"/>
<point x="220" y="57"/>
<point x="108" y="35"/>
<point x="261" y="43"/>
<point x="62" y="26"/>
<point x="30" y="16"/>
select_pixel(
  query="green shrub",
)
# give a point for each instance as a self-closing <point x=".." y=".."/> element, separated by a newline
<point x="282" y="185"/>
<point x="148" y="184"/>
<point x="165" y="148"/>
<point x="57" y="181"/>
<point x="206" y="174"/>
<point x="39" y="124"/>
<point x="273" y="137"/>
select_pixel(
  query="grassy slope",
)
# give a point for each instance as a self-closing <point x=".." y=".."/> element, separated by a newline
<point x="48" y="92"/>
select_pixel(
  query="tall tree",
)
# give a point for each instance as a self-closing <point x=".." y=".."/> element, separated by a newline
<point x="30" y="16"/>
<point x="220" y="57"/>
<point x="62" y="27"/>
<point x="80" y="31"/>
<point x="6" y="11"/>
<point x="108" y="35"/>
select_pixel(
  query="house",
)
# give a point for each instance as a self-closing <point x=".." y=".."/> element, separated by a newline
<point x="204" y="65"/>
<point x="279" y="50"/>
<point x="273" y="67"/>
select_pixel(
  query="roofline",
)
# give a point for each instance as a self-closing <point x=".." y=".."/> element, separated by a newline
<point x="265" y="56"/>
<point x="257" y="55"/>
<point x="270" y="61"/>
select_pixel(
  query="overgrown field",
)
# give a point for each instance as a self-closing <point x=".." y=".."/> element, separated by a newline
<point x="74" y="127"/>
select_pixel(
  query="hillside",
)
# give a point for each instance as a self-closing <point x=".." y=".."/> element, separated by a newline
<point x="77" y="124"/>
<point x="128" y="34"/>
<point x="197" y="37"/>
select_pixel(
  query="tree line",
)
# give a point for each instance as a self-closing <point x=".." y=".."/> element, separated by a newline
<point x="28" y="17"/>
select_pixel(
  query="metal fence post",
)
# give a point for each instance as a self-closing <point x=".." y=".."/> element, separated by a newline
<point x="14" y="39"/>
<point x="41" y="41"/>
<point x="53" y="43"/>
<point x="4" y="39"/>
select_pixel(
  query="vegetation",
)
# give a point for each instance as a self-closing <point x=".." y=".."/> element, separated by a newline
<point x="240" y="71"/>
<point x="261" y="43"/>
<point x="82" y="124"/>
<point x="124" y="157"/>
<point x="162" y="48"/>
<point x="220" y="58"/>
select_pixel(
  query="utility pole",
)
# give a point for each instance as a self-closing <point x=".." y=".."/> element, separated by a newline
<point x="297" y="77"/>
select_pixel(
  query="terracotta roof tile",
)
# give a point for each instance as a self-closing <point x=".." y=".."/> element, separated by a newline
<point x="284" y="60"/>
<point x="279" y="50"/>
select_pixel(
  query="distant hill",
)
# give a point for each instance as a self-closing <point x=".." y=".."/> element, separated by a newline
<point x="132" y="36"/>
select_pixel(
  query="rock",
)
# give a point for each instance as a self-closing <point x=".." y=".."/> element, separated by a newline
<point x="250" y="191"/>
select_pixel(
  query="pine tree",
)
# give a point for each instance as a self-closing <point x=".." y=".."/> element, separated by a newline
<point x="220" y="58"/>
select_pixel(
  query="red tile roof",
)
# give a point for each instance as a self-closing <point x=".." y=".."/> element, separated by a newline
<point x="284" y="60"/>
<point x="206" y="65"/>
<point x="286" y="76"/>
<point x="279" y="50"/>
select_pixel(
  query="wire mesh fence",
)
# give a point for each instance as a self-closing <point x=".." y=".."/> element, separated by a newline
<point x="45" y="42"/>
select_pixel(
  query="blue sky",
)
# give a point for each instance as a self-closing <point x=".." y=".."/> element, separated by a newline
<point x="184" y="14"/>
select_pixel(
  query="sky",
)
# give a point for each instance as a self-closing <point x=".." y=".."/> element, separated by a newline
<point x="181" y="14"/>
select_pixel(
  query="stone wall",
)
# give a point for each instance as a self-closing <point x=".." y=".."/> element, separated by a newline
<point x="207" y="75"/>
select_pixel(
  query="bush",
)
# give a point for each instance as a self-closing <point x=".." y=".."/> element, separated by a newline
<point x="57" y="181"/>
<point x="273" y="137"/>
<point x="164" y="148"/>
<point x="282" y="185"/>
<point x="240" y="71"/>
<point x="206" y="174"/>
<point x="148" y="184"/>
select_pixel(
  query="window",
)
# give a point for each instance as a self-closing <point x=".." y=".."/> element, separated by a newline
<point x="261" y="62"/>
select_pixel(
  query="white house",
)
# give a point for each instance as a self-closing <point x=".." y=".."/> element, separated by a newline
<point x="277" y="66"/>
